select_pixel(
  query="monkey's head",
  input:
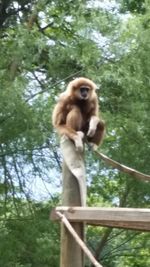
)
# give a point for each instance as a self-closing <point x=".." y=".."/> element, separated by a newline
<point x="81" y="88"/>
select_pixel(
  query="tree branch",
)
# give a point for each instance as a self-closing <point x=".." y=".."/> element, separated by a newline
<point x="102" y="243"/>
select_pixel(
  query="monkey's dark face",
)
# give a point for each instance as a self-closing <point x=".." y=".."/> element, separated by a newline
<point x="81" y="89"/>
<point x="83" y="92"/>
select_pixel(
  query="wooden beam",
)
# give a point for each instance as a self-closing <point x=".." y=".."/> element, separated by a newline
<point x="130" y="218"/>
<point x="78" y="240"/>
<point x="123" y="168"/>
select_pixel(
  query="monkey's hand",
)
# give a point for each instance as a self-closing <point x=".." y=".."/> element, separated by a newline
<point x="92" y="126"/>
<point x="78" y="141"/>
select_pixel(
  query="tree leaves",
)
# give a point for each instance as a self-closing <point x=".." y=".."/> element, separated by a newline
<point x="43" y="46"/>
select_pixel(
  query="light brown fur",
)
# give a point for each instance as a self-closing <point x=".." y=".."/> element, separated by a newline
<point x="73" y="114"/>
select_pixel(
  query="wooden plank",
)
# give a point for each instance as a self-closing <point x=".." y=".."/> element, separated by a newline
<point x="136" y="219"/>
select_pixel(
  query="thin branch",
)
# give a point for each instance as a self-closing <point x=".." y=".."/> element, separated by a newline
<point x="53" y="85"/>
<point x="123" y="168"/>
<point x="10" y="181"/>
<point x="108" y="231"/>
<point x="102" y="243"/>
<point x="46" y="27"/>
<point x="43" y="86"/>
<point x="56" y="157"/>
<point x="117" y="248"/>
<point x="123" y="254"/>
<point x="21" y="184"/>
<point x="115" y="235"/>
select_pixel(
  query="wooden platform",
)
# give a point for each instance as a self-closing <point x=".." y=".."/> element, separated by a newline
<point x="135" y="219"/>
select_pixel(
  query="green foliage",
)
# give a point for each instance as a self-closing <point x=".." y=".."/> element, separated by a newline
<point x="29" y="240"/>
<point x="133" y="6"/>
<point x="44" y="44"/>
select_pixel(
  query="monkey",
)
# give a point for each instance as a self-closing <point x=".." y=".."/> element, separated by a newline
<point x="76" y="113"/>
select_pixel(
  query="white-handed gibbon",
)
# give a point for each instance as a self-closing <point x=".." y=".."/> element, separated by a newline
<point x="76" y="113"/>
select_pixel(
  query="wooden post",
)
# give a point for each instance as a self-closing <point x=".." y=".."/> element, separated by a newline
<point x="71" y="253"/>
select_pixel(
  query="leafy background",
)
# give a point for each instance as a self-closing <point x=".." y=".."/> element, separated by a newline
<point x="43" y="45"/>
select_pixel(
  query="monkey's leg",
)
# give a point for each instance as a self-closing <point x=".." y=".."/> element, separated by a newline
<point x="75" y="121"/>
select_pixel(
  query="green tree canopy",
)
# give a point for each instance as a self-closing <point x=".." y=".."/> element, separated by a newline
<point x="43" y="45"/>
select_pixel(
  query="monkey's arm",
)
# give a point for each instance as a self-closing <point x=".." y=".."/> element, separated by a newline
<point x="94" y="117"/>
<point x="94" y="120"/>
<point x="96" y="125"/>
